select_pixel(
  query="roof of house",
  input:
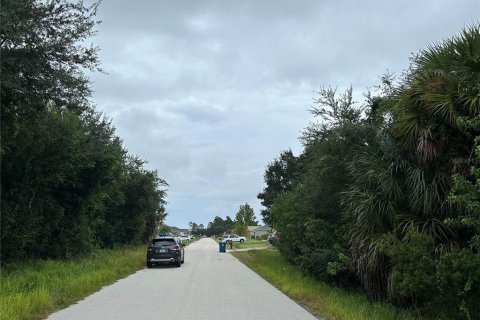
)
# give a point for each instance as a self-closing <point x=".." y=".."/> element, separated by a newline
<point x="251" y="228"/>
<point x="178" y="230"/>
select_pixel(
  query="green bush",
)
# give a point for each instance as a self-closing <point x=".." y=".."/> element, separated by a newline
<point x="458" y="284"/>
<point x="316" y="263"/>
<point x="413" y="272"/>
<point x="445" y="286"/>
<point x="263" y="237"/>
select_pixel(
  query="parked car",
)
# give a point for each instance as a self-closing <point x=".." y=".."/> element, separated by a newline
<point x="185" y="238"/>
<point x="272" y="238"/>
<point x="166" y="249"/>
<point x="233" y="238"/>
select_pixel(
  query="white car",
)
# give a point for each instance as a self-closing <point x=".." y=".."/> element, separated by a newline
<point x="185" y="238"/>
<point x="233" y="238"/>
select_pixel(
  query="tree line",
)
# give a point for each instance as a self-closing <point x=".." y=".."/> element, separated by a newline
<point x="68" y="185"/>
<point x="244" y="217"/>
<point x="385" y="195"/>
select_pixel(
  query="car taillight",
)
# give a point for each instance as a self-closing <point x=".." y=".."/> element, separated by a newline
<point x="175" y="248"/>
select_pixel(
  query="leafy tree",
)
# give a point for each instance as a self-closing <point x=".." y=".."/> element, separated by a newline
<point x="229" y="224"/>
<point x="162" y="228"/>
<point x="445" y="286"/>
<point x="68" y="185"/>
<point x="402" y="182"/>
<point x="193" y="226"/>
<point x="280" y="177"/>
<point x="134" y="218"/>
<point x="334" y="111"/>
<point x="54" y="184"/>
<point x="374" y="192"/>
<point x="49" y="132"/>
<point x="309" y="216"/>
<point x="466" y="193"/>
<point x="245" y="217"/>
<point x="197" y="229"/>
<point x="219" y="226"/>
<point x="44" y="54"/>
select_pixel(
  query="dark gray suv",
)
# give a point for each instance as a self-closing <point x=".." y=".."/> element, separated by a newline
<point x="165" y="250"/>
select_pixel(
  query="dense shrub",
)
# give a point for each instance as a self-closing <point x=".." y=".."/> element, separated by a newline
<point x="446" y="286"/>
<point x="67" y="183"/>
<point x="387" y="193"/>
<point x="458" y="284"/>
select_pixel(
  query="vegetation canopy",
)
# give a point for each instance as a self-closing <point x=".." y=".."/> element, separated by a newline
<point x="384" y="196"/>
<point x="68" y="184"/>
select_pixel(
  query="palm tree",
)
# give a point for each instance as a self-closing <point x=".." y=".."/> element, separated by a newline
<point x="371" y="205"/>
<point x="442" y="87"/>
<point x="402" y="181"/>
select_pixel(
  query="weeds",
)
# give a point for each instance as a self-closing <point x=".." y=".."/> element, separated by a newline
<point x="321" y="299"/>
<point x="33" y="289"/>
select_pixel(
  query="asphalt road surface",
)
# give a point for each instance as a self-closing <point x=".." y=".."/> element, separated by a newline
<point x="209" y="285"/>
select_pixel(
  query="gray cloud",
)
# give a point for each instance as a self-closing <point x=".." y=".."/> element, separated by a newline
<point x="210" y="91"/>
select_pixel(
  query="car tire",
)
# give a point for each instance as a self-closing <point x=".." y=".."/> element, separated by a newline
<point x="149" y="264"/>
<point x="178" y="264"/>
<point x="241" y="240"/>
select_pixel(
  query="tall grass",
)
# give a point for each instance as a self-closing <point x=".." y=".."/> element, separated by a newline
<point x="33" y="289"/>
<point x="321" y="299"/>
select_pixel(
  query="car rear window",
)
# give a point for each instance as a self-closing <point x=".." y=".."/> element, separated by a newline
<point x="164" y="242"/>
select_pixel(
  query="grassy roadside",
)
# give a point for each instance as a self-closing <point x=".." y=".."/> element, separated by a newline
<point x="34" y="289"/>
<point x="187" y="243"/>
<point x="321" y="299"/>
<point x="250" y="244"/>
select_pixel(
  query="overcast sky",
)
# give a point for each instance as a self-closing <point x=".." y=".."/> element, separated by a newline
<point x="209" y="92"/>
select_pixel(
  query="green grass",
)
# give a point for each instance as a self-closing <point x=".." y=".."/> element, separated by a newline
<point x="34" y="289"/>
<point x="321" y="299"/>
<point x="250" y="244"/>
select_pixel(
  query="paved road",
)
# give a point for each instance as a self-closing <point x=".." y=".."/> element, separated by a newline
<point x="210" y="285"/>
